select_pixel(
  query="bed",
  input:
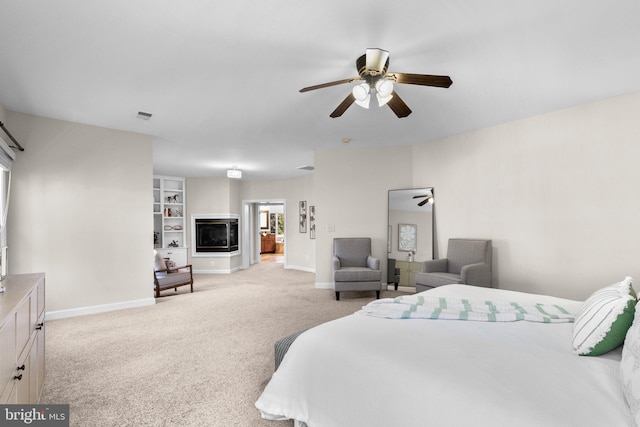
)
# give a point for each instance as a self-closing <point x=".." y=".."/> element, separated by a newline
<point x="363" y="370"/>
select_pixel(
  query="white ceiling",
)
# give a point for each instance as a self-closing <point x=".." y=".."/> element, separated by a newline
<point x="222" y="78"/>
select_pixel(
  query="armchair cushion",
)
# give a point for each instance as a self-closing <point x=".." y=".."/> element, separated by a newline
<point x="171" y="280"/>
<point x="356" y="274"/>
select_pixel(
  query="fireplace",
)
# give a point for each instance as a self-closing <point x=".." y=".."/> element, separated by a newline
<point x="216" y="235"/>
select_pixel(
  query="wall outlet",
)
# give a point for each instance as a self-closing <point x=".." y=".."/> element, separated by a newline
<point x="331" y="228"/>
<point x="213" y="262"/>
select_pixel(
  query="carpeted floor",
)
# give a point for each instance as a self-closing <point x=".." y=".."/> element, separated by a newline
<point x="198" y="359"/>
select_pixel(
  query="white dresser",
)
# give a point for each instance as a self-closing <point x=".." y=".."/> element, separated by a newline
<point x="22" y="339"/>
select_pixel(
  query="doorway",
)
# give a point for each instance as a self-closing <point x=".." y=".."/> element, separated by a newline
<point x="271" y="217"/>
<point x="264" y="231"/>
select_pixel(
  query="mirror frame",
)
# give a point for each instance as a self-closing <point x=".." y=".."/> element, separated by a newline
<point x="410" y="193"/>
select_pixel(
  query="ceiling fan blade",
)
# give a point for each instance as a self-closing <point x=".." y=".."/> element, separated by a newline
<point x="398" y="106"/>
<point x="421" y="79"/>
<point x="350" y="99"/>
<point x="424" y="202"/>
<point x="323" y="85"/>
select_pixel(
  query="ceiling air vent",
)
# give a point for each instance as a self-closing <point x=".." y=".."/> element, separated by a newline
<point x="306" y="168"/>
<point x="144" y="116"/>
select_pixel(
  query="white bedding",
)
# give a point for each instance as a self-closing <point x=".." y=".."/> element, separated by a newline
<point x="367" y="371"/>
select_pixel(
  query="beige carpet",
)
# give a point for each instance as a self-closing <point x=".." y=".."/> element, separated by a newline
<point x="198" y="359"/>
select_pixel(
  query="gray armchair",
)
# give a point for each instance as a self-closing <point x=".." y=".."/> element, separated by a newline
<point x="468" y="261"/>
<point x="354" y="269"/>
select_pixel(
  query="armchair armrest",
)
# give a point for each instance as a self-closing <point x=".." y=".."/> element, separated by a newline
<point x="173" y="269"/>
<point x="478" y="274"/>
<point x="336" y="263"/>
<point x="435" y="265"/>
<point x="373" y="263"/>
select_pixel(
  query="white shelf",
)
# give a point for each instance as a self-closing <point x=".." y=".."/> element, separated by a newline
<point x="166" y="188"/>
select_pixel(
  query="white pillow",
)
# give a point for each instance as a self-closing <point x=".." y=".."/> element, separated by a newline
<point x="158" y="262"/>
<point x="604" y="319"/>
<point x="630" y="368"/>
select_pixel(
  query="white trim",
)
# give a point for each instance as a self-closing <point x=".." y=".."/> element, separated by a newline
<point x="95" y="309"/>
<point x="324" y="285"/>
<point x="226" y="271"/>
<point x="297" y="267"/>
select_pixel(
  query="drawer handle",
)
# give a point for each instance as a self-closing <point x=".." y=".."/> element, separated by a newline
<point x="18" y="377"/>
<point x="39" y="326"/>
<point x="21" y="368"/>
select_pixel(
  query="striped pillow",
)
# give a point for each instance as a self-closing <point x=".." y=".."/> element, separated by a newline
<point x="630" y="368"/>
<point x="604" y="319"/>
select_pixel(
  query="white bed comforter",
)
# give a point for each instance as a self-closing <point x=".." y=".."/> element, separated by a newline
<point x="372" y="372"/>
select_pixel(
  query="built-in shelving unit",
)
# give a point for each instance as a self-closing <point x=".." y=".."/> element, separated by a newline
<point x="169" y="226"/>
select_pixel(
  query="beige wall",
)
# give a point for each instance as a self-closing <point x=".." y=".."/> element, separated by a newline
<point x="557" y="193"/>
<point x="351" y="186"/>
<point x="80" y="212"/>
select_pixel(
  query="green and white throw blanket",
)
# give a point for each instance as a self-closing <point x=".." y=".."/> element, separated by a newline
<point x="425" y="307"/>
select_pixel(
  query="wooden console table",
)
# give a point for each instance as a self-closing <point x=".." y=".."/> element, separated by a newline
<point x="408" y="270"/>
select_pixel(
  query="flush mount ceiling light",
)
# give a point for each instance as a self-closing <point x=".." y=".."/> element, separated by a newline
<point x="234" y="173"/>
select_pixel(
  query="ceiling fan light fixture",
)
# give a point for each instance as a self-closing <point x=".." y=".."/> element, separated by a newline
<point x="361" y="93"/>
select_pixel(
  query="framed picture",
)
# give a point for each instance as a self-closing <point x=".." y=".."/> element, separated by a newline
<point x="312" y="222"/>
<point x="272" y="223"/>
<point x="303" y="216"/>
<point x="407" y="237"/>
<point x="264" y="220"/>
<point x="280" y="229"/>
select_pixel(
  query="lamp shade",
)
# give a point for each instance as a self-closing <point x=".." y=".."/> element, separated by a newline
<point x="384" y="90"/>
<point x="362" y="94"/>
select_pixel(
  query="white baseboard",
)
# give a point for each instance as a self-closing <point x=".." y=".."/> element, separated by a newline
<point x="94" y="309"/>
<point x="226" y="271"/>
<point x="296" y="267"/>
<point x="211" y="271"/>
<point x="331" y="286"/>
<point x="324" y="285"/>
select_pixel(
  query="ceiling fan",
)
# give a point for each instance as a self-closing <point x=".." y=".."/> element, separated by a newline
<point x="428" y="198"/>
<point x="373" y="77"/>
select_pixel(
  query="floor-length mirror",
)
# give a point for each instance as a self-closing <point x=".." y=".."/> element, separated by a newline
<point x="410" y="234"/>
